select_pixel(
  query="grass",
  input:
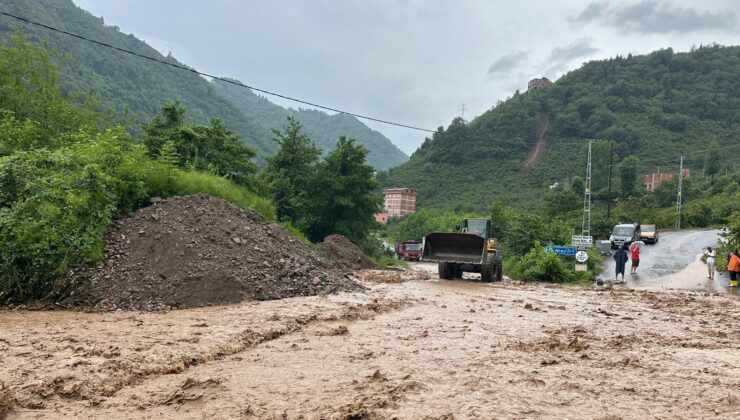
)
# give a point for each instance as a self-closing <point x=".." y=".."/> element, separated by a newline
<point x="180" y="182"/>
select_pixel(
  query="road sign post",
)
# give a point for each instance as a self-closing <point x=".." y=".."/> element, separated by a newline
<point x="568" y="251"/>
<point x="581" y="256"/>
<point x="582" y="241"/>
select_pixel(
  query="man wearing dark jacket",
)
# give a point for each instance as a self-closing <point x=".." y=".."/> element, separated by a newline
<point x="620" y="259"/>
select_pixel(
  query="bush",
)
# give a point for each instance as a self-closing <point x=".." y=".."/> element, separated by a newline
<point x="62" y="182"/>
<point x="540" y="265"/>
<point x="56" y="205"/>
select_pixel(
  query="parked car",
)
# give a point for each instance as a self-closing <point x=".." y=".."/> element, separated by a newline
<point x="624" y="234"/>
<point x="649" y="234"/>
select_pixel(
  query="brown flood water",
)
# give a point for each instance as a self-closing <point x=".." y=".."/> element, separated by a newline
<point x="411" y="347"/>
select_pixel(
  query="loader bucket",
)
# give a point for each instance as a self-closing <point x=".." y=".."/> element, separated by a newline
<point x="453" y="247"/>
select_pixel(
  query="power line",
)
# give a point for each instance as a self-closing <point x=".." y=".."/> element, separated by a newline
<point x="191" y="70"/>
<point x="267" y="92"/>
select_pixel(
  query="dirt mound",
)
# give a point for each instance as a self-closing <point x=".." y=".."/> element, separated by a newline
<point x="200" y="250"/>
<point x="345" y="255"/>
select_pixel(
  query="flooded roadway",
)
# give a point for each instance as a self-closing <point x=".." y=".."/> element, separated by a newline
<point x="674" y="263"/>
<point x="410" y="347"/>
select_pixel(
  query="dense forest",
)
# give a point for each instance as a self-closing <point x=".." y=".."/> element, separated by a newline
<point x="652" y="108"/>
<point x="136" y="88"/>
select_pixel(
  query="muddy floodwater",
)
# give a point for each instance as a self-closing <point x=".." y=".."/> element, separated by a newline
<point x="411" y="347"/>
<point x="674" y="263"/>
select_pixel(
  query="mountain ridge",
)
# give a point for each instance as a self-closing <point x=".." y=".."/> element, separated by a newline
<point x="141" y="87"/>
<point x="658" y="105"/>
<point x="324" y="129"/>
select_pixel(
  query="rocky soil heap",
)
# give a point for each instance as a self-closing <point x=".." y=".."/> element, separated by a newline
<point x="200" y="250"/>
<point x="345" y="255"/>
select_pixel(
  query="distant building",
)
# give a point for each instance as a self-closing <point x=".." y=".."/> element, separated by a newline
<point x="652" y="181"/>
<point x="537" y="84"/>
<point x="382" y="218"/>
<point x="400" y="201"/>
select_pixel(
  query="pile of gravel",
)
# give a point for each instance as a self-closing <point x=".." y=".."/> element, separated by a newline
<point x="200" y="250"/>
<point x="345" y="255"/>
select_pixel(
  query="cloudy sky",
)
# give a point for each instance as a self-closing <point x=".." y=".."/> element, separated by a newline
<point x="411" y="61"/>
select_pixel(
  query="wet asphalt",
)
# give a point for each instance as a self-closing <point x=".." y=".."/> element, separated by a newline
<point x="673" y="263"/>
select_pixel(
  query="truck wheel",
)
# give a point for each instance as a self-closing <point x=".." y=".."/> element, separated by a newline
<point x="488" y="270"/>
<point x="457" y="271"/>
<point x="444" y="270"/>
<point x="499" y="269"/>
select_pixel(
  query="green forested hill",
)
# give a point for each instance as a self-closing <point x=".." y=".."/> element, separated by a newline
<point x="322" y="128"/>
<point x="654" y="107"/>
<point x="125" y="82"/>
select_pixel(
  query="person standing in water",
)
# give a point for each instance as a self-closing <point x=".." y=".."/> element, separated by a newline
<point x="711" y="255"/>
<point x="733" y="266"/>
<point x="635" y="250"/>
<point x="620" y="260"/>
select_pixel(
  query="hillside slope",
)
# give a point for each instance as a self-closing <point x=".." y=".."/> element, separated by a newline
<point x="322" y="128"/>
<point x="654" y="107"/>
<point x="125" y="82"/>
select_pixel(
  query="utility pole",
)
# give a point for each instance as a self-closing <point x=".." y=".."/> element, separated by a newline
<point x="462" y="111"/>
<point x="678" y="197"/>
<point x="609" y="193"/>
<point x="586" y="223"/>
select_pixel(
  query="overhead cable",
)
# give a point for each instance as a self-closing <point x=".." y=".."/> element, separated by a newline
<point x="191" y="70"/>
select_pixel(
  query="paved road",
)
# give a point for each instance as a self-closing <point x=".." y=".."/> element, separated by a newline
<point x="673" y="263"/>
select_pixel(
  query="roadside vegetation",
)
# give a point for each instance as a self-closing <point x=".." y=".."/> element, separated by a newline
<point x="522" y="238"/>
<point x="69" y="167"/>
<point x="522" y="234"/>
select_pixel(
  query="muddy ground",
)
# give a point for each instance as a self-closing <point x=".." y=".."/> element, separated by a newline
<point x="409" y="347"/>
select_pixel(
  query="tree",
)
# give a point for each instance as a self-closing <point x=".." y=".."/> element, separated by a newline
<point x="501" y="216"/>
<point x="210" y="148"/>
<point x="577" y="185"/>
<point x="289" y="173"/>
<point x="559" y="201"/>
<point x="711" y="162"/>
<point x="628" y="175"/>
<point x="423" y="222"/>
<point x="344" y="194"/>
<point x="31" y="102"/>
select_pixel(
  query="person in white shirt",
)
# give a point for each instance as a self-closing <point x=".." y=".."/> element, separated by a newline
<point x="711" y="255"/>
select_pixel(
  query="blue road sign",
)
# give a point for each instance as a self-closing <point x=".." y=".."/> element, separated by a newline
<point x="569" y="251"/>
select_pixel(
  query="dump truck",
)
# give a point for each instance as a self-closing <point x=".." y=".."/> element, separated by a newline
<point x="471" y="250"/>
<point x="408" y="250"/>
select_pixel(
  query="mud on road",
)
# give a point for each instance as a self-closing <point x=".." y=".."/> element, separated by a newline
<point x="409" y="347"/>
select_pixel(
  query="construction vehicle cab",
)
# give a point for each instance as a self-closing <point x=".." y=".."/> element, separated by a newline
<point x="471" y="250"/>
